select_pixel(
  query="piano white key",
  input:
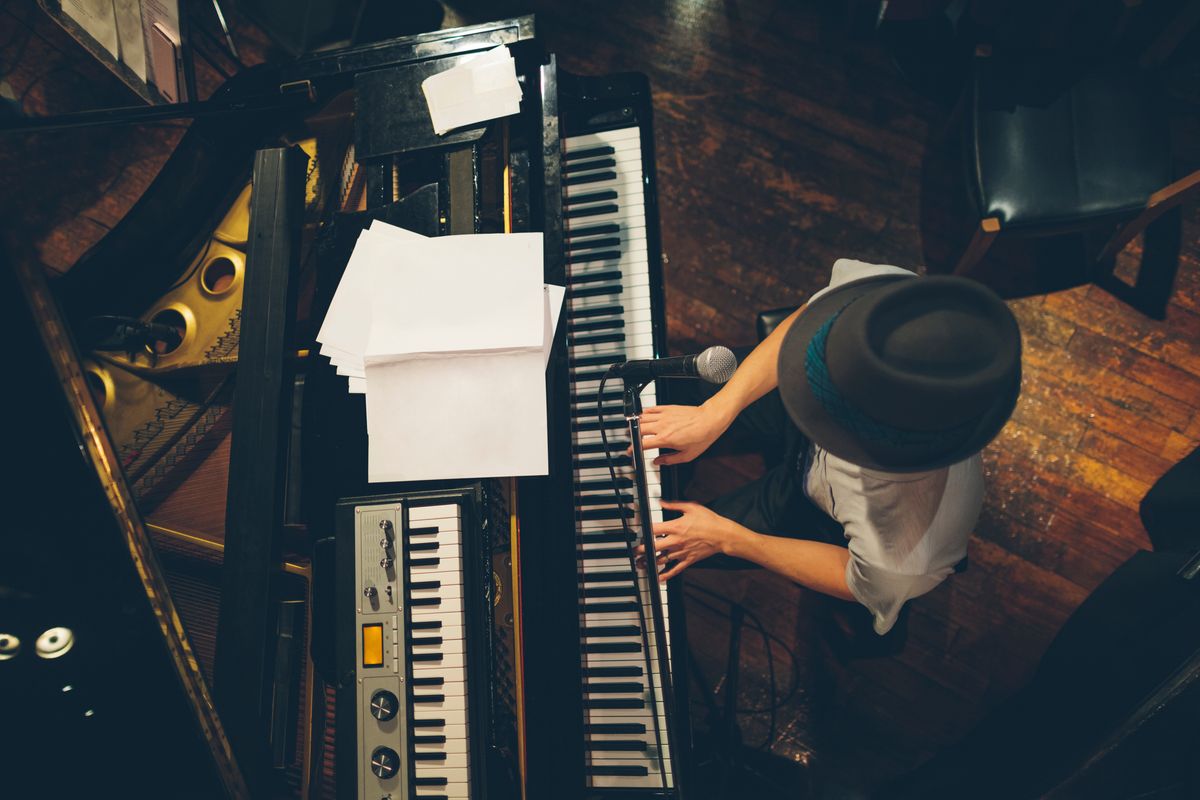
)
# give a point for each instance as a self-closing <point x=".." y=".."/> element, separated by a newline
<point x="427" y="513"/>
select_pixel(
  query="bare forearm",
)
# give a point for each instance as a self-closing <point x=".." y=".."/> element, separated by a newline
<point x="755" y="376"/>
<point x="817" y="565"/>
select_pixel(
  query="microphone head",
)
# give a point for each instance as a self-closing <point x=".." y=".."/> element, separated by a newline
<point x="716" y="364"/>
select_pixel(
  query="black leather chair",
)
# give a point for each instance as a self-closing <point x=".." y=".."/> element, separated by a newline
<point x="1058" y="145"/>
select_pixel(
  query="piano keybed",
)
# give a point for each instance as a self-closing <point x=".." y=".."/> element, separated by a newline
<point x="609" y="320"/>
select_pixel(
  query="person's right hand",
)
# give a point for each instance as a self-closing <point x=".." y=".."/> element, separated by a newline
<point x="688" y="430"/>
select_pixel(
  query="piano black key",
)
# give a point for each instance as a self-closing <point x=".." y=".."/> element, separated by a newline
<point x="613" y="702"/>
<point x="610" y="631"/>
<point x="610" y="591"/>
<point x="606" y="513"/>
<point x="601" y="462"/>
<point x="596" y="338"/>
<point x="432" y="681"/>
<point x="614" y="688"/>
<point x="419" y="547"/>
<point x="591" y="211"/>
<point x="590" y="177"/>
<point x="417" y="756"/>
<point x="594" y="197"/>
<point x="586" y="166"/>
<point x="592" y="244"/>
<point x="435" y="723"/>
<point x="595" y="311"/>
<point x="603" y="499"/>
<point x="607" y="552"/>
<point x="599" y="255"/>
<point x="427" y="657"/>
<point x="424" y="562"/>
<point x="595" y="277"/>
<point x="617" y="770"/>
<point x="573" y="235"/>
<point x="612" y="672"/>
<point x="428" y="698"/>
<point x="614" y="446"/>
<point x="591" y="152"/>
<point x="419" y="781"/>
<point x="596" y="325"/>
<point x="429" y="740"/>
<point x="417" y="586"/>
<point x="609" y="577"/>
<point x="615" y="728"/>
<point x="425" y="601"/>
<point x="601" y="537"/>
<point x="425" y="625"/>
<point x="612" y="647"/>
<point x="427" y="531"/>
<point x="594" y="424"/>
<point x="616" y="745"/>
<point x="424" y="640"/>
<point x="602" y="608"/>
<point x="593" y="291"/>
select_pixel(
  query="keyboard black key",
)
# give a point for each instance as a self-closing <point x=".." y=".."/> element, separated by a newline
<point x="425" y="601"/>
<point x="603" y="537"/>
<point x="436" y="723"/>
<point x="617" y="770"/>
<point x="424" y="640"/>
<point x="423" y="562"/>
<point x="428" y="698"/>
<point x="602" y="608"/>
<point x="612" y="647"/>
<point x="612" y="672"/>
<point x="583" y="398"/>
<point x="594" y="424"/>
<point x="590" y="211"/>
<point x="589" y="177"/>
<point x="596" y="325"/>
<point x="606" y="513"/>
<point x="613" y="702"/>
<point x="427" y="531"/>
<point x="614" y="688"/>
<point x="615" y="728"/>
<point x="427" y="657"/>
<point x="591" y="152"/>
<point x="596" y="311"/>
<point x="594" y="197"/>
<point x="595" y="277"/>
<point x="602" y="463"/>
<point x="419" y="756"/>
<point x="586" y="166"/>
<point x="609" y="577"/>
<point x="425" y="625"/>
<point x="607" y="552"/>
<point x="592" y="244"/>
<point x="420" y="547"/>
<point x="616" y="745"/>
<point x="595" y="338"/>
<point x="593" y="291"/>
<point x="433" y="681"/>
<point x="417" y="586"/>
<point x="419" y="781"/>
<point x="599" y="255"/>
<point x="604" y="499"/>
<point x="429" y="740"/>
<point x="574" y="234"/>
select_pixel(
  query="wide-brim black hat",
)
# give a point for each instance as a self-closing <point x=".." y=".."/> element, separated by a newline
<point x="902" y="374"/>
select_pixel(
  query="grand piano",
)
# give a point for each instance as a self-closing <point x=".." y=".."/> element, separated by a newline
<point x="366" y="640"/>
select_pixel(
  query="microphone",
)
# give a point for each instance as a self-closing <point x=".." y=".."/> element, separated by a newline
<point x="715" y="365"/>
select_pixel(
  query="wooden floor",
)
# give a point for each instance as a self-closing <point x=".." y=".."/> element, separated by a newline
<point x="787" y="139"/>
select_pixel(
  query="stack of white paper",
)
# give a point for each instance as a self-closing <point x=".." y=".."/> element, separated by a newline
<point x="476" y="89"/>
<point x="448" y="338"/>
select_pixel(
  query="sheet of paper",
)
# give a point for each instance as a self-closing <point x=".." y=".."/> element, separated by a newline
<point x="468" y="416"/>
<point x="554" y="301"/>
<point x="347" y="323"/>
<point x="97" y="18"/>
<point x="130" y="35"/>
<point x="474" y="90"/>
<point x="457" y="294"/>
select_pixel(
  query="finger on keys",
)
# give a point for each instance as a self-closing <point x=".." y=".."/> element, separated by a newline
<point x="679" y="567"/>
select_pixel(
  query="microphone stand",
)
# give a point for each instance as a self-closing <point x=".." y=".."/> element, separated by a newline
<point x="633" y="416"/>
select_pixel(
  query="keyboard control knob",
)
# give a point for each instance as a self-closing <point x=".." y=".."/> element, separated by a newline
<point x="385" y="763"/>
<point x="369" y="590"/>
<point x="384" y="705"/>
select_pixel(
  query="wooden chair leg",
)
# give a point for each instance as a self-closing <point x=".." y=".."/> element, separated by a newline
<point x="985" y="234"/>
<point x="1161" y="201"/>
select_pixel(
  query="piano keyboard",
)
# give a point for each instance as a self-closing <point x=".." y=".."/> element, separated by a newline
<point x="419" y="750"/>
<point x="608" y="321"/>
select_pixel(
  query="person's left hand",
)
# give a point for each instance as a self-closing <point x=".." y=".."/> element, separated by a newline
<point x="693" y="537"/>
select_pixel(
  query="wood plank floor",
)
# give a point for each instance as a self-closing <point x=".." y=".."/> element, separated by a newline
<point x="787" y="139"/>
